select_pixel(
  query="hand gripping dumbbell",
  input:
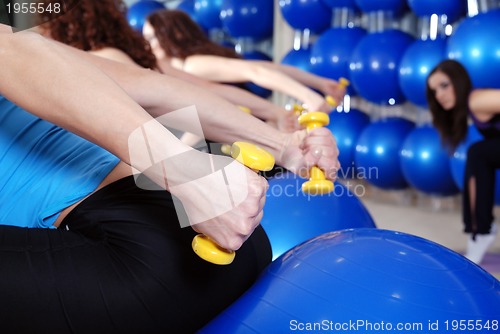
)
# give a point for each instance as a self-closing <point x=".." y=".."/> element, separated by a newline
<point x="254" y="158"/>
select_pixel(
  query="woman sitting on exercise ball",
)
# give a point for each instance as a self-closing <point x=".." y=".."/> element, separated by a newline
<point x="452" y="100"/>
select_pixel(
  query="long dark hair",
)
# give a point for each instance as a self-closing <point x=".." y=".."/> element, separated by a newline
<point x="181" y="37"/>
<point x="91" y="25"/>
<point x="451" y="124"/>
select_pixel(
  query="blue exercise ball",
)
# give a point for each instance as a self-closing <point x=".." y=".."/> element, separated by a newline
<point x="292" y="217"/>
<point x="139" y="11"/>
<point x="425" y="162"/>
<point x="331" y="53"/>
<point x="476" y="45"/>
<point x="250" y="86"/>
<point x="395" y="6"/>
<point x="350" y="4"/>
<point x="365" y="281"/>
<point x="453" y="9"/>
<point x="248" y="19"/>
<point x="298" y="58"/>
<point x="346" y="128"/>
<point x="207" y="13"/>
<point x="374" y="66"/>
<point x="377" y="152"/>
<point x="306" y="14"/>
<point x="417" y="62"/>
<point x="459" y="158"/>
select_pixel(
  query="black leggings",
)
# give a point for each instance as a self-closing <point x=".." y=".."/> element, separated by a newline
<point x="483" y="158"/>
<point x="124" y="266"/>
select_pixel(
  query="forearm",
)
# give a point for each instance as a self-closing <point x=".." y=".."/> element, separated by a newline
<point x="159" y="94"/>
<point x="304" y="77"/>
<point x="260" y="107"/>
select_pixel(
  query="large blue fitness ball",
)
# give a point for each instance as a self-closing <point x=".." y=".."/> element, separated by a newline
<point x="332" y="51"/>
<point x="459" y="158"/>
<point x="377" y="152"/>
<point x="476" y="45"/>
<point x="248" y="19"/>
<point x="292" y="217"/>
<point x="425" y="163"/>
<point x="374" y="66"/>
<point x="417" y="62"/>
<point x="366" y="281"/>
<point x="347" y="127"/>
<point x="139" y="11"/>
<point x="306" y="14"/>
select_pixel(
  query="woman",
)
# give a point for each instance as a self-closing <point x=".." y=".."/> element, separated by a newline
<point x="101" y="28"/>
<point x="177" y="41"/>
<point x="119" y="262"/>
<point x="452" y="101"/>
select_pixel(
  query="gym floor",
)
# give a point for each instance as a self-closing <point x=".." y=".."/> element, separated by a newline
<point x="433" y="218"/>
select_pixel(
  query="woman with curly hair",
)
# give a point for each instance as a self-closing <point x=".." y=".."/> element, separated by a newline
<point x="176" y="40"/>
<point x="452" y="101"/>
<point x="99" y="27"/>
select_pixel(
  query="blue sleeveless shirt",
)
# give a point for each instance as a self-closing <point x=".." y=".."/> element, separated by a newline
<point x="44" y="168"/>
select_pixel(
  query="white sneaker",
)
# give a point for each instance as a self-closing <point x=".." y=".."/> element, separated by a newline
<point x="476" y="249"/>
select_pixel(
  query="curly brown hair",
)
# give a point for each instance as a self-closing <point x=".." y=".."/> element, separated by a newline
<point x="181" y="37"/>
<point x="91" y="25"/>
<point x="452" y="125"/>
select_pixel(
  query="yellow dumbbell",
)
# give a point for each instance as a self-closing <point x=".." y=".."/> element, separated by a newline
<point x="317" y="184"/>
<point x="255" y="158"/>
<point x="343" y="83"/>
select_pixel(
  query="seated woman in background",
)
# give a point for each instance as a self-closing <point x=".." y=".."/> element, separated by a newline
<point x="452" y="101"/>
<point x="177" y="41"/>
<point x="101" y="28"/>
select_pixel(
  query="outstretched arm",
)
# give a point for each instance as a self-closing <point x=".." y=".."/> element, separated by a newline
<point x="326" y="86"/>
<point x="259" y="107"/>
<point x="54" y="84"/>
<point x="237" y="70"/>
<point x="82" y="98"/>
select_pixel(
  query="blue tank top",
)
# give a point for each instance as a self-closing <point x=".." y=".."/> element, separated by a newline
<point x="44" y="168"/>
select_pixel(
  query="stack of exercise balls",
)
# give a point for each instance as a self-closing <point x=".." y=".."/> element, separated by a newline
<point x="366" y="281"/>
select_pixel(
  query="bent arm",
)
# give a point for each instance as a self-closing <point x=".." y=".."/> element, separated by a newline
<point x="485" y="103"/>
